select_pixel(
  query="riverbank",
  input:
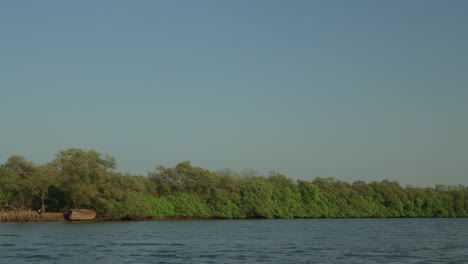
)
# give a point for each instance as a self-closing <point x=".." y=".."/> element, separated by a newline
<point x="31" y="216"/>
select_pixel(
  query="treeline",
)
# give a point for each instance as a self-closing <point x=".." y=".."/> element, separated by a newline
<point x="86" y="179"/>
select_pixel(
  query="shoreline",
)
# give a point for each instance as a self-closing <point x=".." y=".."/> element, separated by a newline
<point x="33" y="216"/>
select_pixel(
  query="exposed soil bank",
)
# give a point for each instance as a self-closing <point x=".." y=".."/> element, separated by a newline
<point x="46" y="216"/>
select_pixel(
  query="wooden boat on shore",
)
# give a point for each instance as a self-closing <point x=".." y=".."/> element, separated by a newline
<point x="80" y="214"/>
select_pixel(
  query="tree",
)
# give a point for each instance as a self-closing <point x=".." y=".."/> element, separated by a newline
<point x="40" y="181"/>
<point x="24" y="170"/>
<point x="185" y="204"/>
<point x="310" y="196"/>
<point x="20" y="165"/>
<point x="184" y="178"/>
<point x="256" y="193"/>
<point x="225" y="199"/>
<point x="9" y="188"/>
<point x="286" y="197"/>
<point x="81" y="172"/>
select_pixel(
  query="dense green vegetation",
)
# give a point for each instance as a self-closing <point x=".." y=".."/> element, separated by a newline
<point x="86" y="179"/>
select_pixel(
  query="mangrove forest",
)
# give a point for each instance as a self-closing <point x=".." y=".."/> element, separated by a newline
<point x="78" y="178"/>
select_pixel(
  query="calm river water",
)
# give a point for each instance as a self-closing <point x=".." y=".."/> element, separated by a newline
<point x="239" y="241"/>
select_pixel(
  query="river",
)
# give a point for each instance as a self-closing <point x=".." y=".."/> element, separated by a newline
<point x="238" y="241"/>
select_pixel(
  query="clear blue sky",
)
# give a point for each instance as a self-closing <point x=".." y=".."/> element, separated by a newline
<point x="356" y="90"/>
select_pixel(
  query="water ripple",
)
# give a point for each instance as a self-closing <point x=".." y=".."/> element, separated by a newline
<point x="269" y="241"/>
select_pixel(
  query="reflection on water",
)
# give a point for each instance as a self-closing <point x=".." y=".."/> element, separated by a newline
<point x="240" y="241"/>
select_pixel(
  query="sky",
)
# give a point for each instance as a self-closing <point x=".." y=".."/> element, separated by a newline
<point x="355" y="90"/>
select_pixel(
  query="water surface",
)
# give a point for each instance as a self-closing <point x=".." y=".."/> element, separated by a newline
<point x="239" y="241"/>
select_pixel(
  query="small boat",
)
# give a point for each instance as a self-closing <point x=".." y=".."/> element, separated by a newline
<point x="80" y="214"/>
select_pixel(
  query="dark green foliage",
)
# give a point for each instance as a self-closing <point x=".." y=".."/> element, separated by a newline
<point x="286" y="198"/>
<point x="10" y="188"/>
<point x="256" y="198"/>
<point x="186" y="204"/>
<point x="142" y="205"/>
<point x="58" y="199"/>
<point x="85" y="179"/>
